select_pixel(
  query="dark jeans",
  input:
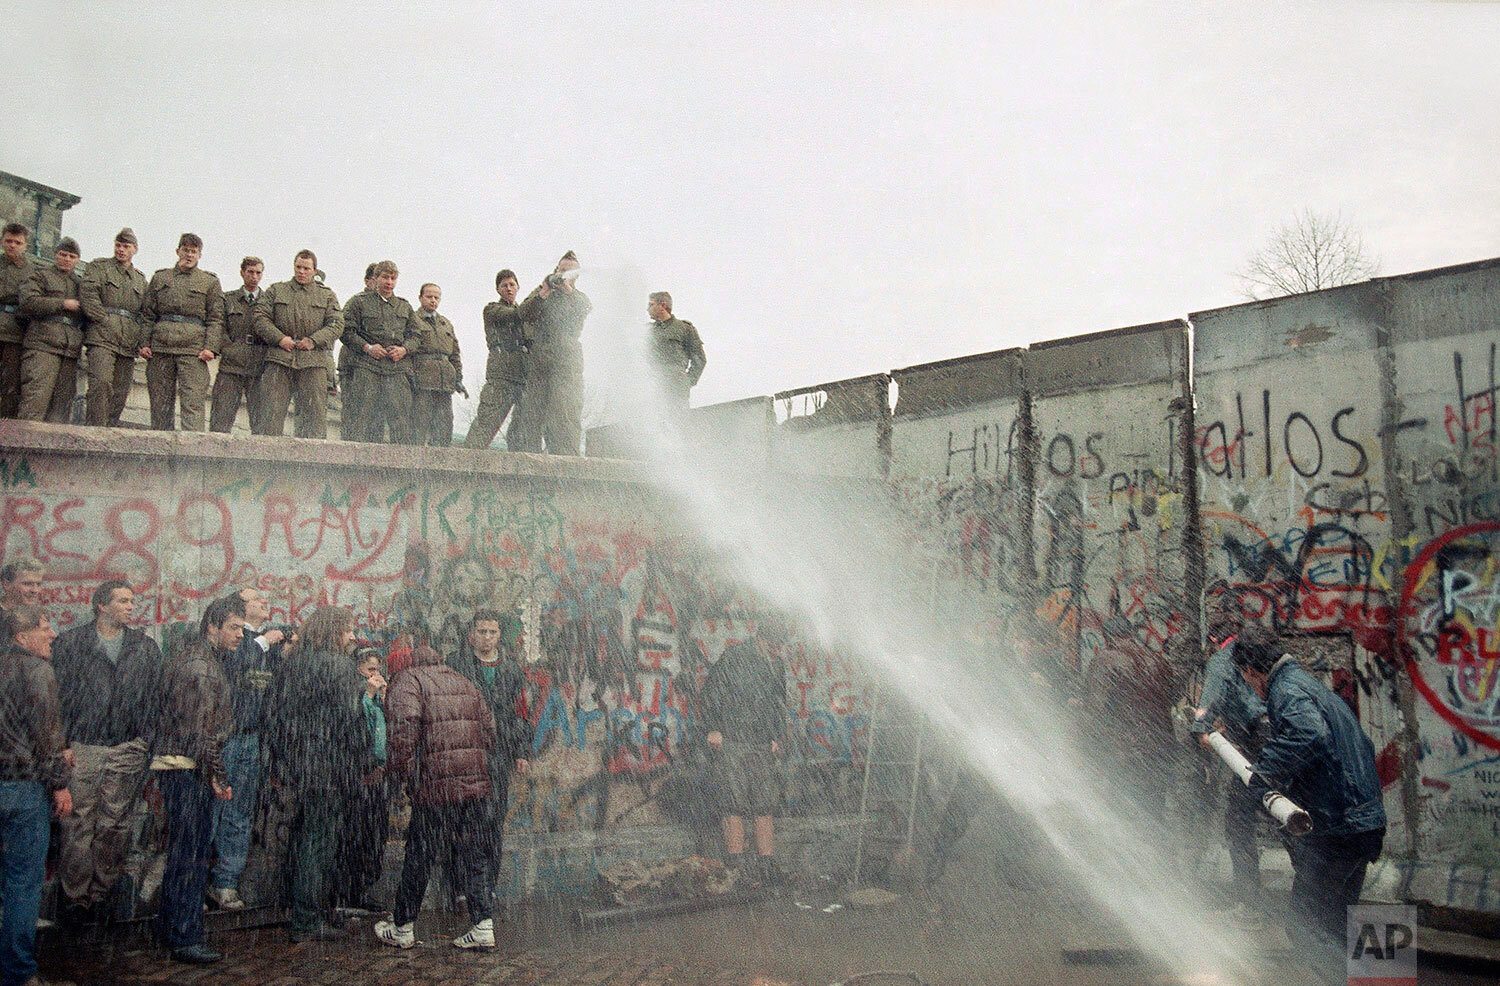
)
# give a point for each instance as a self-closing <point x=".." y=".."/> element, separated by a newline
<point x="189" y="804"/>
<point x="360" y="854"/>
<point x="1328" y="875"/>
<point x="436" y="831"/>
<point x="25" y="812"/>
<point x="494" y="833"/>
<point x="312" y="859"/>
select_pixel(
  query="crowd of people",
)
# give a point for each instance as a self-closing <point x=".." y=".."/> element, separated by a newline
<point x="398" y="366"/>
<point x="91" y="716"/>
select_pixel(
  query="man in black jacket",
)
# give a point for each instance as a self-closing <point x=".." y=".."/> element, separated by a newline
<point x="497" y="673"/>
<point x="742" y="718"/>
<point x="109" y="678"/>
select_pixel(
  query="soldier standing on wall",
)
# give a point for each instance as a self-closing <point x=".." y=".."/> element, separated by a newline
<point x="350" y="418"/>
<point x="439" y="373"/>
<point x="244" y="355"/>
<point x="382" y="329"/>
<point x="54" y="337"/>
<point x="552" y="399"/>
<point x="184" y="310"/>
<point x="505" y="371"/>
<point x="676" y="352"/>
<point x="299" y="320"/>
<point x="15" y="267"/>
<point x="112" y="293"/>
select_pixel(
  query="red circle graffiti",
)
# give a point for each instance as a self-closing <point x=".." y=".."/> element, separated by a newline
<point x="1408" y="589"/>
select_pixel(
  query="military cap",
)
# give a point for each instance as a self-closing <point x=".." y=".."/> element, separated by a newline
<point x="127" y="235"/>
<point x="68" y="245"/>
<point x="570" y="255"/>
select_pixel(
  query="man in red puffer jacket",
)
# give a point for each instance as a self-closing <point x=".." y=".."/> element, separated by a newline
<point x="440" y="735"/>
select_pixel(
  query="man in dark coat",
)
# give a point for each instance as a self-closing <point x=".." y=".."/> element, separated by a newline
<point x="109" y="678"/>
<point x="496" y="671"/>
<point x="440" y="738"/>
<point x="1318" y="756"/>
<point x="742" y="717"/>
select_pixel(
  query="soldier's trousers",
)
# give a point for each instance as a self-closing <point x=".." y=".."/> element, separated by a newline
<point x="311" y="383"/>
<point x="48" y="385"/>
<point x="228" y="389"/>
<point x="10" y="378"/>
<point x="496" y="400"/>
<point x="110" y="376"/>
<point x="107" y="782"/>
<point x="552" y="401"/>
<point x="350" y="414"/>
<point x="432" y="418"/>
<point x="175" y="379"/>
<point x="385" y="400"/>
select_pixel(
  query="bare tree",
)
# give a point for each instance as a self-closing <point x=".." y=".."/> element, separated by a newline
<point x="1315" y="250"/>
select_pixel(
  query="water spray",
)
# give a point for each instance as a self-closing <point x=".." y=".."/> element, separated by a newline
<point x="1288" y="814"/>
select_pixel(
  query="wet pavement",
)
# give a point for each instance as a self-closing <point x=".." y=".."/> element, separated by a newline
<point x="798" y="937"/>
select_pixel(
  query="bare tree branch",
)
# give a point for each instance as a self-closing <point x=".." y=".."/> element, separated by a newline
<point x="1313" y="251"/>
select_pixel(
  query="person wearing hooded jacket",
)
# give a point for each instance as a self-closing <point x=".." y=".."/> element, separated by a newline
<point x="440" y="736"/>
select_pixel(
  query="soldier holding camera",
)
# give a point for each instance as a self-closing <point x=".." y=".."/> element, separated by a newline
<point x="552" y="399"/>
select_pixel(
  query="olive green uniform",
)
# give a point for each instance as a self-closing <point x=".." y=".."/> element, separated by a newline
<point x="112" y="294"/>
<point x="348" y="406"/>
<point x="298" y="311"/>
<point x="12" y="332"/>
<point x="383" y="388"/>
<point x="240" y="365"/>
<point x="54" y="339"/>
<point x="439" y="372"/>
<point x="184" y="310"/>
<point x="677" y="357"/>
<point x="504" y="376"/>
<point x="552" y="397"/>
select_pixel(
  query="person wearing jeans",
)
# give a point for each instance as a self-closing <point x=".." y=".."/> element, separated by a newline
<point x="34" y="771"/>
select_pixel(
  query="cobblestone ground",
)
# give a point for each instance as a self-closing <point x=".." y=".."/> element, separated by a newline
<point x="787" y="941"/>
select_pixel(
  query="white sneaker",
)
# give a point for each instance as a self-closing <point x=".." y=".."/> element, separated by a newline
<point x="400" y="935"/>
<point x="482" y="935"/>
<point x="226" y="898"/>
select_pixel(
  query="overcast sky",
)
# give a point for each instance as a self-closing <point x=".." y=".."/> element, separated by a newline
<point x="827" y="189"/>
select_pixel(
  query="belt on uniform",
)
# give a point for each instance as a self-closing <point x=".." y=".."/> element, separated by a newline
<point x="190" y="319"/>
<point x="64" y="319"/>
<point x="428" y="356"/>
<point x="251" y="339"/>
<point x="125" y="312"/>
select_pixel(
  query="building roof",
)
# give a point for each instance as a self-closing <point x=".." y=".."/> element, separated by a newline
<point x="64" y="200"/>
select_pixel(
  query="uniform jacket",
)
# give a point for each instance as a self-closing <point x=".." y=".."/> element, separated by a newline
<point x="743" y="697"/>
<point x="503" y="696"/>
<point x="104" y="703"/>
<point x="315" y="725"/>
<point x="107" y="289"/>
<point x="677" y="351"/>
<point x="197" y="712"/>
<point x="302" y="311"/>
<point x="441" y="732"/>
<point x="505" y="337"/>
<point x="371" y="319"/>
<point x="244" y="351"/>
<point x="12" y="276"/>
<point x="436" y="360"/>
<point x="175" y="294"/>
<point x="51" y="329"/>
<point x="556" y="321"/>
<point x="1318" y="755"/>
<point x="346" y="351"/>
<point x="31" y="738"/>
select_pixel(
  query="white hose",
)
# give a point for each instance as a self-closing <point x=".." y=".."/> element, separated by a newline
<point x="1286" y="812"/>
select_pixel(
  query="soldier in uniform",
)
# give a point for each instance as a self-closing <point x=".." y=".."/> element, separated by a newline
<point x="244" y="355"/>
<point x="676" y="351"/>
<point x="552" y="398"/>
<point x="15" y="266"/>
<point x="54" y="337"/>
<point x="112" y="293"/>
<point x="299" y="320"/>
<point x="505" y="372"/>
<point x="382" y="328"/>
<point x="439" y="373"/>
<point x="349" y="415"/>
<point x="184" y="310"/>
